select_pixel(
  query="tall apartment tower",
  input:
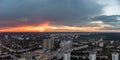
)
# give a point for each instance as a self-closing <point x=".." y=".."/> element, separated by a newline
<point x="48" y="44"/>
<point x="6" y="36"/>
<point x="66" y="56"/>
<point x="115" y="56"/>
<point x="92" y="56"/>
<point x="65" y="45"/>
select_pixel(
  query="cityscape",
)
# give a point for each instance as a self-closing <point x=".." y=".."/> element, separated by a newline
<point x="60" y="46"/>
<point x="59" y="29"/>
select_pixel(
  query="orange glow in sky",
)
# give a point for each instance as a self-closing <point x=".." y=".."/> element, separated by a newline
<point x="39" y="28"/>
<point x="46" y="27"/>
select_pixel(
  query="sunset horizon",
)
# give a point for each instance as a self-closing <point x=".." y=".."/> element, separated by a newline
<point x="59" y="29"/>
<point x="59" y="16"/>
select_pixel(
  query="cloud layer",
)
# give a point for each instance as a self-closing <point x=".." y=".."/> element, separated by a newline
<point x="72" y="13"/>
<point x="63" y="12"/>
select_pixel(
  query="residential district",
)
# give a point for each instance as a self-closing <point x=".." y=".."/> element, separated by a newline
<point x="60" y="46"/>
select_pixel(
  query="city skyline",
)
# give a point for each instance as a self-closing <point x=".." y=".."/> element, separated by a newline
<point x="59" y="16"/>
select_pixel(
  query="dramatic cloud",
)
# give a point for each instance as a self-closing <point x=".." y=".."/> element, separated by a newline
<point x="113" y="21"/>
<point x="74" y="15"/>
<point x="62" y="12"/>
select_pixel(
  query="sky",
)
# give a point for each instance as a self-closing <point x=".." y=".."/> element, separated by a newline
<point x="59" y="15"/>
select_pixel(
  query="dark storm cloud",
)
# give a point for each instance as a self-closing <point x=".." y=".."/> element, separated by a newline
<point x="62" y="12"/>
<point x="113" y="20"/>
<point x="107" y="19"/>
